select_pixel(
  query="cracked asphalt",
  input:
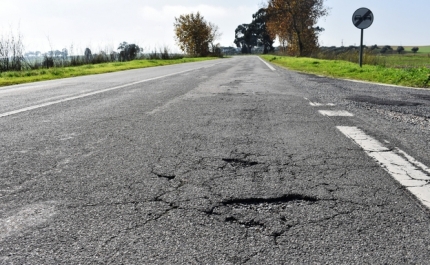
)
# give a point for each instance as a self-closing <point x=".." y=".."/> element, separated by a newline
<point x="224" y="164"/>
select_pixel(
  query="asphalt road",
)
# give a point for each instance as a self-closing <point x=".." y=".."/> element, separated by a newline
<point x="220" y="162"/>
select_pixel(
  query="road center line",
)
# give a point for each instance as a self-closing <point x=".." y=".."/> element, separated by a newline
<point x="92" y="93"/>
<point x="410" y="173"/>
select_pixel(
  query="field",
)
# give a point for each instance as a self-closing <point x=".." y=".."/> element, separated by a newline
<point x="406" y="60"/>
<point x="20" y="77"/>
<point x="422" y="50"/>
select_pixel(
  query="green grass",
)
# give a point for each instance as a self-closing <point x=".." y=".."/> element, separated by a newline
<point x="407" y="60"/>
<point x="15" y="77"/>
<point x="405" y="76"/>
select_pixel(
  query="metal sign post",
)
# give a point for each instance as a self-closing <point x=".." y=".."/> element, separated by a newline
<point x="362" y="19"/>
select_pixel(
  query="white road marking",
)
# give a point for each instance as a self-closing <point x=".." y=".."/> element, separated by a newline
<point x="410" y="173"/>
<point x="91" y="93"/>
<point x="316" y="104"/>
<point x="333" y="113"/>
<point x="268" y="65"/>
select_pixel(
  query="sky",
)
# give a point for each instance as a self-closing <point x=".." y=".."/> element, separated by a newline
<point x="103" y="24"/>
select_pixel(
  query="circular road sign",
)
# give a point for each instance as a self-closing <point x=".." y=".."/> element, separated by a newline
<point x="362" y="18"/>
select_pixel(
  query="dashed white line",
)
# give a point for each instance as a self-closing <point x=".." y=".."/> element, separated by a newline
<point x="334" y="113"/>
<point x="410" y="173"/>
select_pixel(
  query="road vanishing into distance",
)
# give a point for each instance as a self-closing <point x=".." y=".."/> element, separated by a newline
<point x="230" y="161"/>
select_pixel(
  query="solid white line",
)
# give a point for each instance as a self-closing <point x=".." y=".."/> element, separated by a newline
<point x="410" y="173"/>
<point x="90" y="94"/>
<point x="338" y="113"/>
<point x="268" y="65"/>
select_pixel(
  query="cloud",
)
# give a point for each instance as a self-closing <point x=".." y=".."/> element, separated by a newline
<point x="227" y="18"/>
<point x="169" y="12"/>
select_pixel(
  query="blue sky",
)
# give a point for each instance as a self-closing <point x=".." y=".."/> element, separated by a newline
<point x="103" y="24"/>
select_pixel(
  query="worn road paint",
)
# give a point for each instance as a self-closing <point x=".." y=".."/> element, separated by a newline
<point x="334" y="113"/>
<point x="29" y="216"/>
<point x="410" y="173"/>
<point x="316" y="104"/>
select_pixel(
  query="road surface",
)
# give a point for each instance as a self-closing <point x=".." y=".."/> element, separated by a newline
<point x="229" y="161"/>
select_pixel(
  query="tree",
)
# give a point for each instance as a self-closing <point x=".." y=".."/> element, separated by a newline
<point x="415" y="49"/>
<point x="213" y="36"/>
<point x="259" y="25"/>
<point x="193" y="34"/>
<point x="245" y="38"/>
<point x="88" y="55"/>
<point x="64" y="53"/>
<point x="400" y="49"/>
<point x="254" y="34"/>
<point x="294" y="21"/>
<point x="374" y="47"/>
<point x="128" y="51"/>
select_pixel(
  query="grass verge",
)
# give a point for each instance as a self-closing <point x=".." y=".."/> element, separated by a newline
<point x="409" y="76"/>
<point x="20" y="77"/>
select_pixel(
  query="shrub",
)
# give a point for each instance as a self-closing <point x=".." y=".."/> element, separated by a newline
<point x="400" y="49"/>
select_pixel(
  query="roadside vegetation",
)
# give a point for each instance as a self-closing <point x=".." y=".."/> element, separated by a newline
<point x="33" y="75"/>
<point x="393" y="71"/>
<point x="18" y="66"/>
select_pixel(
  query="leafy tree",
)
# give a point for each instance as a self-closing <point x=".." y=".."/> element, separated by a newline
<point x="254" y="34"/>
<point x="374" y="47"/>
<point x="400" y="49"/>
<point x="245" y="38"/>
<point x="259" y="25"/>
<point x="415" y="49"/>
<point x="193" y="34"/>
<point x="57" y="53"/>
<point x="64" y="53"/>
<point x="388" y="47"/>
<point x="294" y="21"/>
<point x="88" y="55"/>
<point x="128" y="51"/>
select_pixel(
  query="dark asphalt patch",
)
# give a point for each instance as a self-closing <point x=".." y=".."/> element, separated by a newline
<point x="381" y="101"/>
<point x="421" y="96"/>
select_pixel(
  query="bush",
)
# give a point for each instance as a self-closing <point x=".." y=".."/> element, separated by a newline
<point x="400" y="49"/>
<point x="48" y="61"/>
<point x="350" y="54"/>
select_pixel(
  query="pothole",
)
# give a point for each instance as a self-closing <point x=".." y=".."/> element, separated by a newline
<point x="239" y="162"/>
<point x="263" y="214"/>
<point x="381" y="101"/>
<point x="282" y="199"/>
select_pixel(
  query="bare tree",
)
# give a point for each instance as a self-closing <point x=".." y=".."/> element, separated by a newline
<point x="11" y="52"/>
<point x="215" y="34"/>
